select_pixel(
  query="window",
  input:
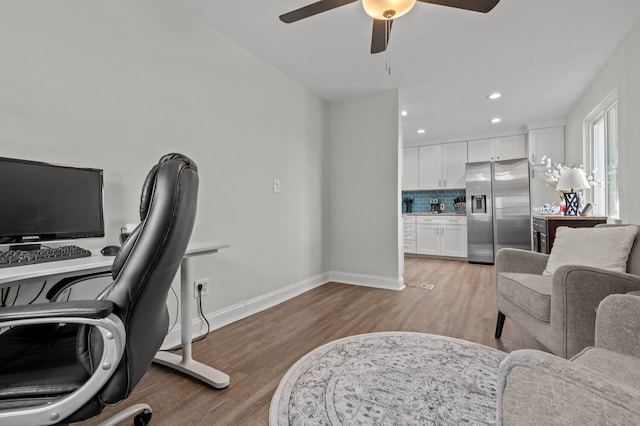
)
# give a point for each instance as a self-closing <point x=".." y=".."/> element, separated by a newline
<point x="601" y="129"/>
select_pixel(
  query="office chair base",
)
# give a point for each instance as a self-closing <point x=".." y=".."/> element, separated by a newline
<point x="142" y="413"/>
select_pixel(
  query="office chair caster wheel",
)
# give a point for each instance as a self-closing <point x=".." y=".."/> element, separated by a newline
<point x="142" y="419"/>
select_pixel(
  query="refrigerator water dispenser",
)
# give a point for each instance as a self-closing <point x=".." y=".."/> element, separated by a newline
<point x="478" y="204"/>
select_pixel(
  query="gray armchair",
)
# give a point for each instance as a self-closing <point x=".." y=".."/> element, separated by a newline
<point x="599" y="386"/>
<point x="559" y="310"/>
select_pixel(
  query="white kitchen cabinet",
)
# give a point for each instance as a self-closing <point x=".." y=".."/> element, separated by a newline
<point x="442" y="166"/>
<point x="496" y="149"/>
<point x="454" y="157"/>
<point x="428" y="239"/>
<point x="549" y="141"/>
<point x="453" y="240"/>
<point x="441" y="235"/>
<point x="430" y="167"/>
<point x="410" y="234"/>
<point x="410" y="168"/>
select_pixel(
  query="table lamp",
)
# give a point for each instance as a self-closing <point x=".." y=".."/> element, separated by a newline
<point x="571" y="179"/>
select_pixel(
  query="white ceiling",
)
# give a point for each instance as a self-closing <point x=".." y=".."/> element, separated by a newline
<point x="541" y="54"/>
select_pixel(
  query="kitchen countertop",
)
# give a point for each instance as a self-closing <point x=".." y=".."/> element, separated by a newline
<point x="434" y="214"/>
<point x="563" y="217"/>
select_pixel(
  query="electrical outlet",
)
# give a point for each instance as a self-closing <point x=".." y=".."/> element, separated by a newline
<point x="205" y="287"/>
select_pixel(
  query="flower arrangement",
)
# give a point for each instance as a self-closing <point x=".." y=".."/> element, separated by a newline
<point x="554" y="170"/>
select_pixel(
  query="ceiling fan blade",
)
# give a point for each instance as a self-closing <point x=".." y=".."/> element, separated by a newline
<point x="483" y="6"/>
<point x="380" y="35"/>
<point x="313" y="9"/>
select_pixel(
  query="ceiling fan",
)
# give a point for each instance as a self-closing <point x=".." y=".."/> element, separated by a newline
<point x="383" y="13"/>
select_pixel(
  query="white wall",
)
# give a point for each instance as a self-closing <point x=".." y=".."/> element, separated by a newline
<point x="364" y="205"/>
<point x="622" y="72"/>
<point x="115" y="85"/>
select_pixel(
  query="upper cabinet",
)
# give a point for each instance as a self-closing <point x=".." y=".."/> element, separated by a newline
<point x="430" y="166"/>
<point x="496" y="149"/>
<point x="410" y="168"/>
<point x="454" y="157"/>
<point x="442" y="166"/>
<point x="549" y="142"/>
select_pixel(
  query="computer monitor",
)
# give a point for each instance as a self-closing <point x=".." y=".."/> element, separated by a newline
<point x="42" y="202"/>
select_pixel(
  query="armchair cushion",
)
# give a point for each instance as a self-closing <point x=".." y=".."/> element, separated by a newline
<point x="605" y="247"/>
<point x="530" y="292"/>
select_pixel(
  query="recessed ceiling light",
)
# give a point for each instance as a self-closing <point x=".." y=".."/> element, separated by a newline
<point x="404" y="113"/>
<point x="496" y="120"/>
<point x="421" y="131"/>
<point x="494" y="96"/>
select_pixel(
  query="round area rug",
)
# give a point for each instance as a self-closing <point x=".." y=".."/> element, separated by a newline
<point x="393" y="378"/>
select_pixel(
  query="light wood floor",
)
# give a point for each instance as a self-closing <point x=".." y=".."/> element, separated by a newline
<point x="257" y="351"/>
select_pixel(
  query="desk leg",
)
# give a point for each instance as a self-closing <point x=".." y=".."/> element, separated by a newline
<point x="185" y="364"/>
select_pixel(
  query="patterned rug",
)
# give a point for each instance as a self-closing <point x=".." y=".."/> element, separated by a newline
<point x="393" y="378"/>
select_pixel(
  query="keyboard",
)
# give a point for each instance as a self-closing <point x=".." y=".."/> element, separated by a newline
<point x="23" y="257"/>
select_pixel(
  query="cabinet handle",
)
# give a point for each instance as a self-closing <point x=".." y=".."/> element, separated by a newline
<point x="445" y="183"/>
<point x="533" y="158"/>
<point x="498" y="157"/>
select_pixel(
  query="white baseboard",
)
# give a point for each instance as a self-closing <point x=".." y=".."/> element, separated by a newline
<point x="386" y="283"/>
<point x="242" y="310"/>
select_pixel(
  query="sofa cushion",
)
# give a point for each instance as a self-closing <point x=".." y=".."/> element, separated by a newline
<point x="620" y="367"/>
<point x="605" y="247"/>
<point x="530" y="292"/>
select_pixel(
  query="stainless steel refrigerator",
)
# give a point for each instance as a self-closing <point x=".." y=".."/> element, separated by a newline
<point x="498" y="208"/>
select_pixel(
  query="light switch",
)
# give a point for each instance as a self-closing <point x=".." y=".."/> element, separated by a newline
<point x="276" y="185"/>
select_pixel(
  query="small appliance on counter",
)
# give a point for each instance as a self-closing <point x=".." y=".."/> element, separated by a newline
<point x="408" y="204"/>
<point x="435" y="205"/>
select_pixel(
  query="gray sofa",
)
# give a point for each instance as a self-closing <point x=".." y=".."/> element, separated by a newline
<point x="559" y="310"/>
<point x="599" y="386"/>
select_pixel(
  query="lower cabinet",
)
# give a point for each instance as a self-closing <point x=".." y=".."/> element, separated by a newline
<point x="409" y="234"/>
<point x="441" y="236"/>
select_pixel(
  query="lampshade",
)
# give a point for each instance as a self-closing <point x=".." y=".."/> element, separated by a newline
<point x="572" y="179"/>
<point x="387" y="9"/>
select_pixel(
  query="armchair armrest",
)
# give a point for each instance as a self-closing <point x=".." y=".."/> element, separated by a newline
<point x="576" y="292"/>
<point x="618" y="324"/>
<point x="94" y="309"/>
<point x="516" y="260"/>
<point x="535" y="388"/>
<point x="584" y="287"/>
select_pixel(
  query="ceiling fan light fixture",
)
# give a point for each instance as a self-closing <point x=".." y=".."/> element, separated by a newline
<point x="387" y="9"/>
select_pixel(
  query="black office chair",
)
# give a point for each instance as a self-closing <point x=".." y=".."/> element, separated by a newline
<point x="63" y="362"/>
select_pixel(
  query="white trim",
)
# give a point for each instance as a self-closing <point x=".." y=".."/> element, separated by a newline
<point x="245" y="309"/>
<point x="242" y="310"/>
<point x="374" y="281"/>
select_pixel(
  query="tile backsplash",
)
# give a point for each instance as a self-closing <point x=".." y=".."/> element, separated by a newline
<point x="421" y="199"/>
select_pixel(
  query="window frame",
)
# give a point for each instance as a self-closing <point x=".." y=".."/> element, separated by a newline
<point x="602" y="112"/>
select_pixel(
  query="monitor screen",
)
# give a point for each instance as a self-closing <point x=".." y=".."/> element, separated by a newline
<point x="45" y="202"/>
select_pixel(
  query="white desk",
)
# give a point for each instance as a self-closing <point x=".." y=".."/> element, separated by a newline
<point x="184" y="363"/>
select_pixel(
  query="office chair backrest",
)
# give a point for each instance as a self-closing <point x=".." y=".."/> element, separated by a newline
<point x="144" y="269"/>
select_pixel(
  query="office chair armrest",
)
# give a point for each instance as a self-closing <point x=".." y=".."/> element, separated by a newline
<point x="93" y="309"/>
<point x="94" y="313"/>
